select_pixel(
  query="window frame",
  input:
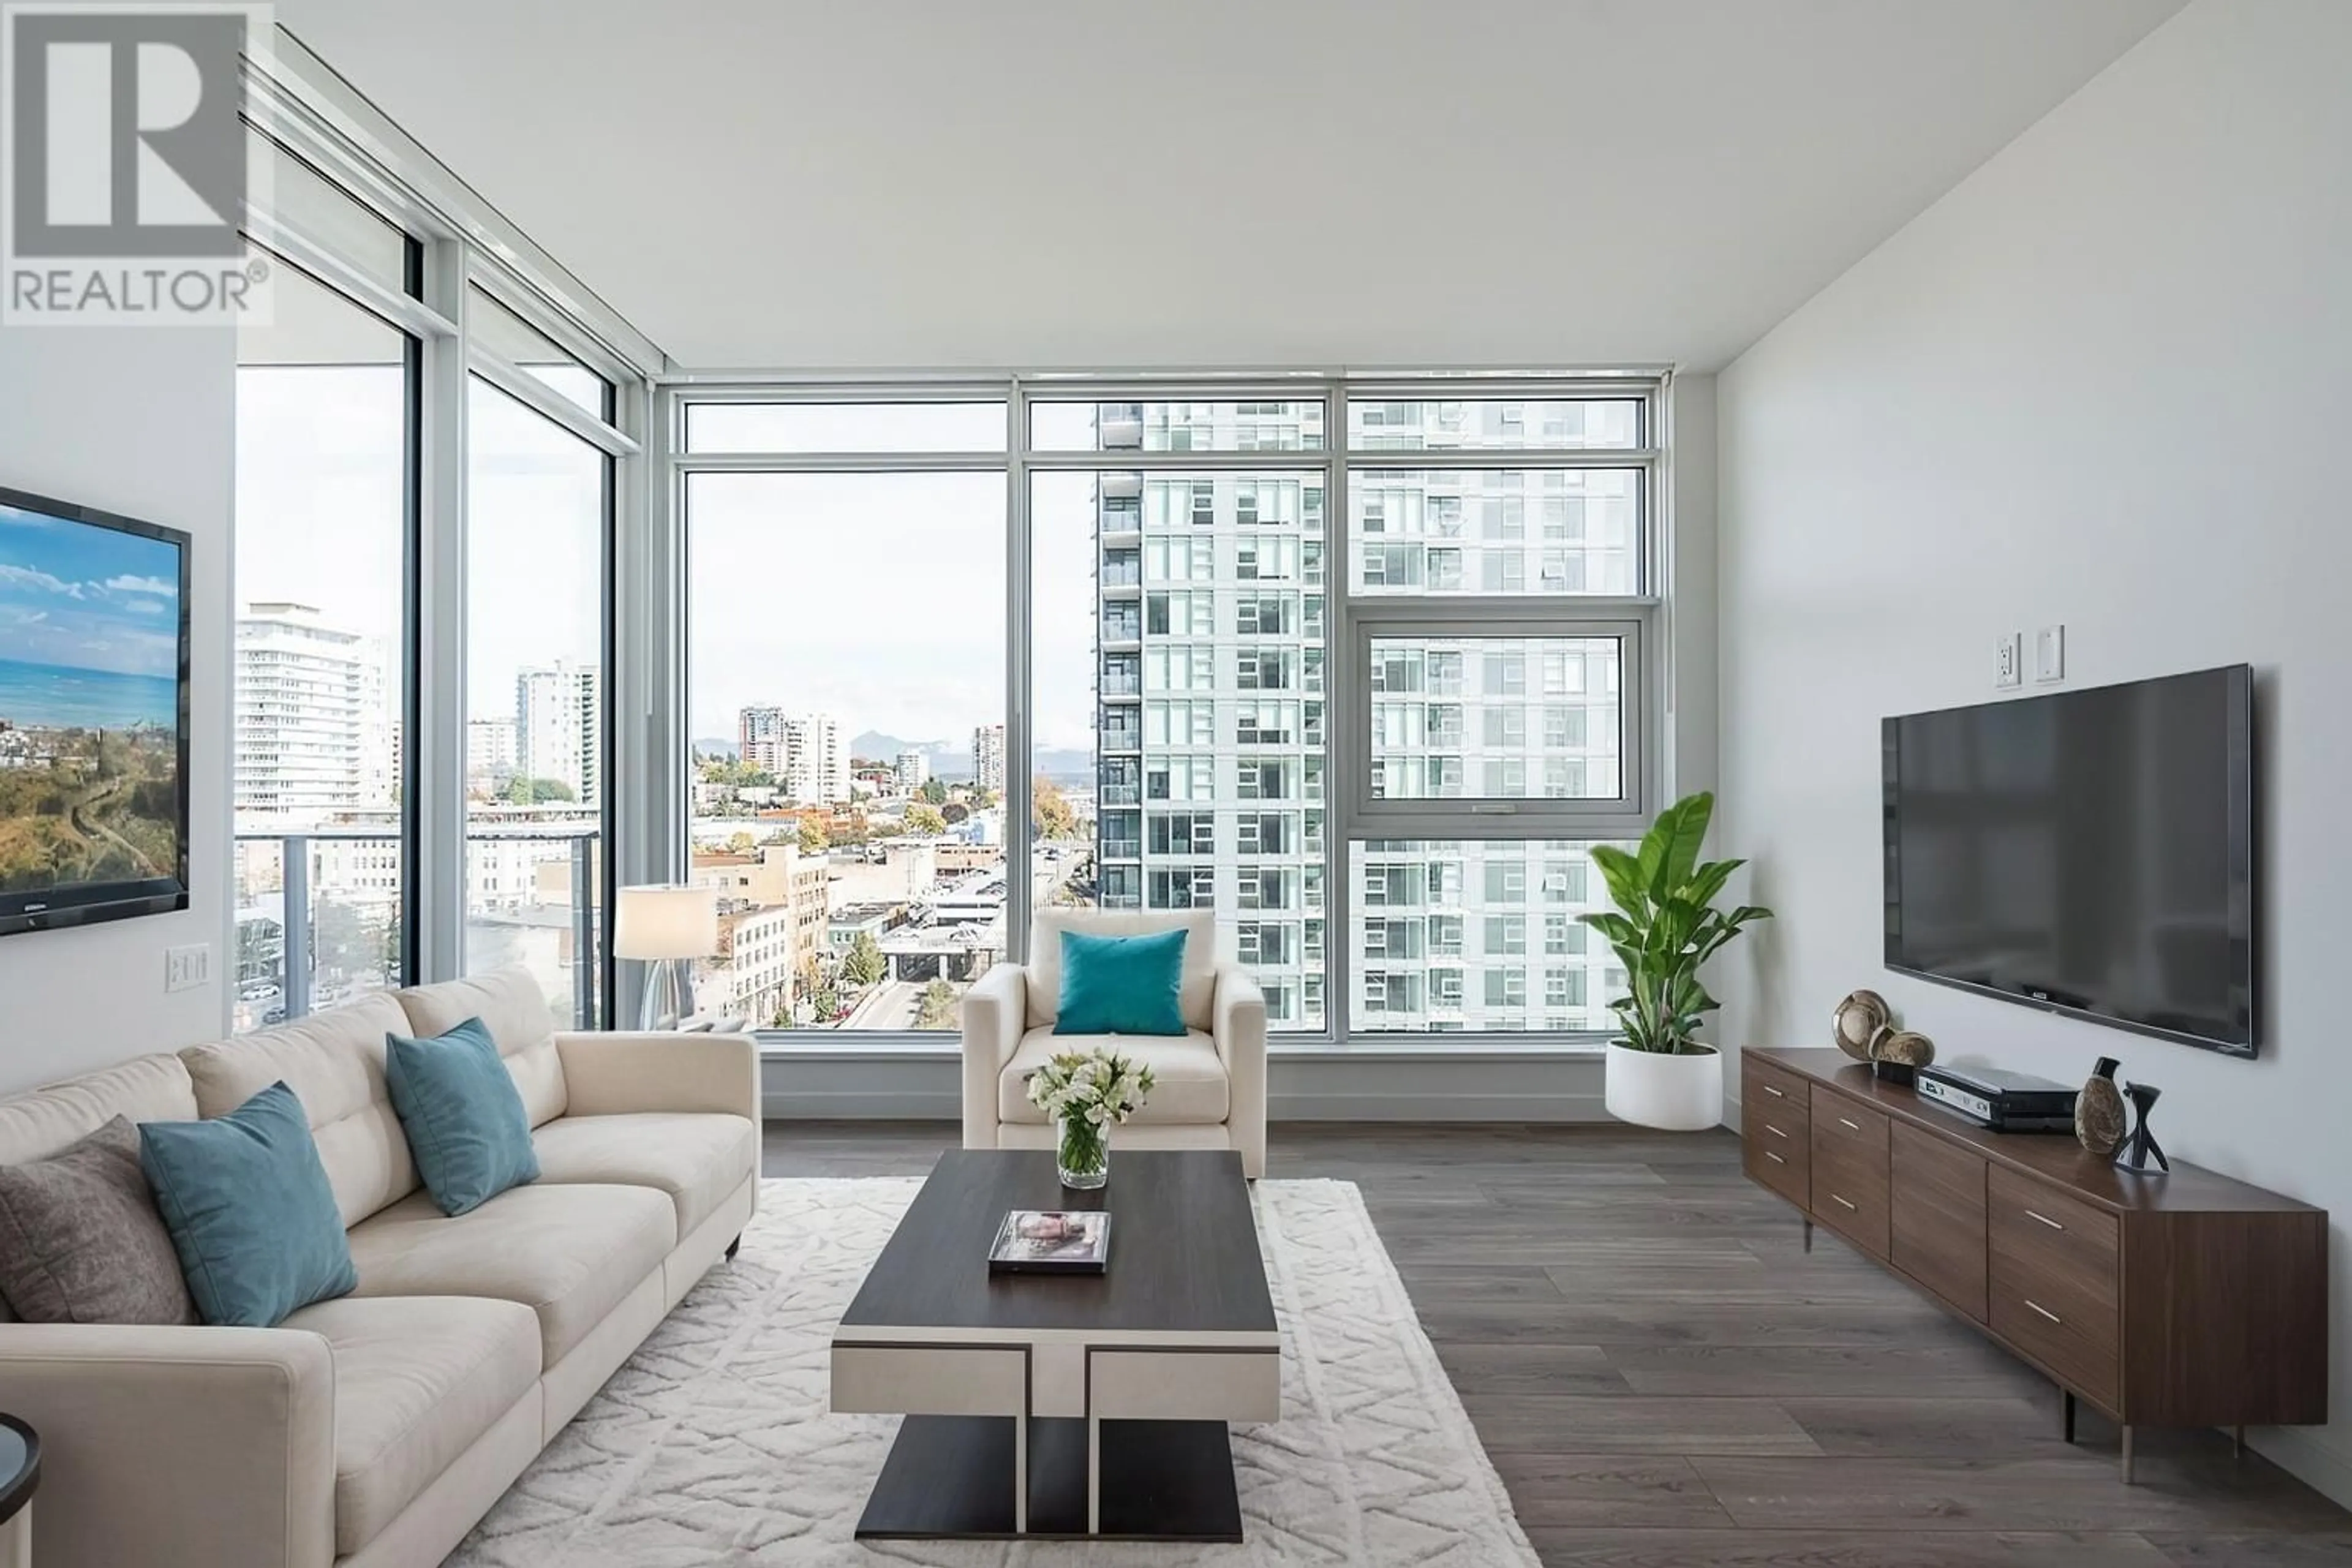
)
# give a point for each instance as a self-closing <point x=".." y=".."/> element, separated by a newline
<point x="1349" y="619"/>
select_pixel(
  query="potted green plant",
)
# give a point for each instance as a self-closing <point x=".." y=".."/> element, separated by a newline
<point x="1666" y="925"/>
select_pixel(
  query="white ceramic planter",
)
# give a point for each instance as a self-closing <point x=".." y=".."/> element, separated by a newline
<point x="1677" y="1093"/>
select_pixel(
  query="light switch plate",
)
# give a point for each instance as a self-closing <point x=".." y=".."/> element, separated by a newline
<point x="2008" y="663"/>
<point x="2050" y="655"/>
<point x="186" y="968"/>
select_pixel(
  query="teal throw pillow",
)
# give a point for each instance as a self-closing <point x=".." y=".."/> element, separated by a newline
<point x="249" y="1210"/>
<point x="1121" y="985"/>
<point x="462" y="1115"/>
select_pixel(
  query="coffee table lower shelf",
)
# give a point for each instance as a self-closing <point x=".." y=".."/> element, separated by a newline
<point x="952" y="1478"/>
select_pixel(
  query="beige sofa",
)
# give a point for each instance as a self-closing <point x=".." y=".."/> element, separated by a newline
<point x="1210" y="1088"/>
<point x="374" y="1430"/>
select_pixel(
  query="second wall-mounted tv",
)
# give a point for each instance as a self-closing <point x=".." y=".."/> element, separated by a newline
<point x="93" y="715"/>
<point x="2090" y="852"/>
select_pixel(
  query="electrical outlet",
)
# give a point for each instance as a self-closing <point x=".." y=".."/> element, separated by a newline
<point x="2008" y="663"/>
<point x="186" y="968"/>
<point x="2050" y="655"/>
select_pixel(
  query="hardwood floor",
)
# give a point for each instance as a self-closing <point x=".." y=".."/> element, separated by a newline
<point x="1665" y="1379"/>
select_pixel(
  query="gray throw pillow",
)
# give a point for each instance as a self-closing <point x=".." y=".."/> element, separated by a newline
<point x="81" y="1239"/>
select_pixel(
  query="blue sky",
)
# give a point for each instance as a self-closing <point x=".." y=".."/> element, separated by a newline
<point x="87" y="597"/>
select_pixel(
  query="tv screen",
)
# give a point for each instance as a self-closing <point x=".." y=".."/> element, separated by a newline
<point x="93" y="715"/>
<point x="2090" y="852"/>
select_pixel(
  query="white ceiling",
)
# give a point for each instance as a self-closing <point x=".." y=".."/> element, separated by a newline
<point x="1231" y="182"/>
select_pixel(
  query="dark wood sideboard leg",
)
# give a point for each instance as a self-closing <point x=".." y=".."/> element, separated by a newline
<point x="2238" y="1441"/>
<point x="1809" y="1232"/>
<point x="2128" y="1454"/>
<point x="2067" y="1395"/>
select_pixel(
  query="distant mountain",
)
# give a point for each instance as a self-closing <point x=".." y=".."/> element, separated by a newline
<point x="715" y="748"/>
<point x="952" y="760"/>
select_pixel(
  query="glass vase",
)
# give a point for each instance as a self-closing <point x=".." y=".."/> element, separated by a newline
<point x="1082" y="1150"/>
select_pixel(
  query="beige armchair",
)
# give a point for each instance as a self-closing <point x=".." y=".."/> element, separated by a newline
<point x="1211" y="1079"/>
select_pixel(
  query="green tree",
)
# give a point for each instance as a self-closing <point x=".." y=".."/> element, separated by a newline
<point x="935" y="792"/>
<point x="1050" y="811"/>
<point x="863" y="964"/>
<point x="539" y="791"/>
<point x="924" y="819"/>
<point x="953" y="813"/>
<point x="937" y="1010"/>
<point x="740" y="843"/>
<point x="814" y="837"/>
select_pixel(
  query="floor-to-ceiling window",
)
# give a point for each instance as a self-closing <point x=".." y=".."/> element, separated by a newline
<point x="538" y="696"/>
<point x="1363" y="670"/>
<point x="846" y="690"/>
<point x="326" y="513"/>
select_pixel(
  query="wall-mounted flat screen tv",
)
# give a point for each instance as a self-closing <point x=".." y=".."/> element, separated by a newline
<point x="2090" y="852"/>
<point x="93" y="715"/>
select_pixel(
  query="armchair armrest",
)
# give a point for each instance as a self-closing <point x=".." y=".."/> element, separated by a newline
<point x="995" y="1014"/>
<point x="1237" y="1021"/>
<point x="614" y="1074"/>
<point x="202" y="1447"/>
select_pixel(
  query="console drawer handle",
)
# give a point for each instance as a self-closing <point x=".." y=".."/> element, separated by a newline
<point x="2046" y="1219"/>
<point x="2045" y="1312"/>
<point x="1774" y="1131"/>
<point x="1774" y="1158"/>
<point x="1855" y="1126"/>
<point x="1771" y="1090"/>
<point x="1849" y="1204"/>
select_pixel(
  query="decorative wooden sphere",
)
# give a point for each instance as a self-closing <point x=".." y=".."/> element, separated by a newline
<point x="1906" y="1047"/>
<point x="1858" y="1021"/>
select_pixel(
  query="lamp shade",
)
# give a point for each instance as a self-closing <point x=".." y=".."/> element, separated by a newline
<point x="665" y="920"/>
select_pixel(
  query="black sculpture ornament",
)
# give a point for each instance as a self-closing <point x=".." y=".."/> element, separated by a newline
<point x="2141" y="1146"/>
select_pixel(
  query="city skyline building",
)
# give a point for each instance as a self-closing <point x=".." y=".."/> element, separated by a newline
<point x="559" y="727"/>
<point x="913" y="768"/>
<point x="314" y="725"/>
<point x="760" y="740"/>
<point x="815" y="769"/>
<point x="988" y="757"/>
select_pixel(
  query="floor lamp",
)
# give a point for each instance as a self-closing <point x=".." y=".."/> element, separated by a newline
<point x="668" y="926"/>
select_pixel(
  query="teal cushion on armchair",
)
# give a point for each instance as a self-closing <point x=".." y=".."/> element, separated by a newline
<point x="462" y="1115"/>
<point x="250" y="1209"/>
<point x="1121" y="985"/>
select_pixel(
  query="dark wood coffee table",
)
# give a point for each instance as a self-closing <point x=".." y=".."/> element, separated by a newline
<point x="1064" y="1405"/>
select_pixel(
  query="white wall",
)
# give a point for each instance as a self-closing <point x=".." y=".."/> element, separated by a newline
<point x="2106" y="381"/>
<point x="139" y="421"/>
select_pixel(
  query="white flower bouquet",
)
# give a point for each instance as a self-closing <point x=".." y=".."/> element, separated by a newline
<point x="1088" y="1093"/>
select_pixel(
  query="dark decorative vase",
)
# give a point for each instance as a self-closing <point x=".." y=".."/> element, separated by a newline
<point x="2141" y="1147"/>
<point x="2099" y="1115"/>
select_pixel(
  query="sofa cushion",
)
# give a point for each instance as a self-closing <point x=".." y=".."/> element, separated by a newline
<point x="38" y="1122"/>
<point x="570" y="1253"/>
<point x="462" y="1114"/>
<point x="418" y="1380"/>
<point x="1195" y="993"/>
<point x="1191" y="1086"/>
<point x="250" y="1209"/>
<point x="334" y="1062"/>
<point x="515" y="1009"/>
<point x="81" y="1241"/>
<point x="699" y="1159"/>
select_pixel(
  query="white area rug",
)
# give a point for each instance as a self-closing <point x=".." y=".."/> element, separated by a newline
<point x="713" y="1446"/>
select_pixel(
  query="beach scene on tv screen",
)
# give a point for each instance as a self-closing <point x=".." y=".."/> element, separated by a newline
<point x="89" y="705"/>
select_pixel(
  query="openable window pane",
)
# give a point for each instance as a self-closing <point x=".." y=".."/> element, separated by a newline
<point x="528" y="349"/>
<point x="1476" y="935"/>
<point x="721" y="427"/>
<point x="1421" y="532"/>
<point x="849" y="764"/>
<point x="322" y="529"/>
<point x="1472" y="718"/>
<point x="537" y="503"/>
<point x="1179" y="645"/>
<point x="1165" y="426"/>
<point x="1499" y="424"/>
